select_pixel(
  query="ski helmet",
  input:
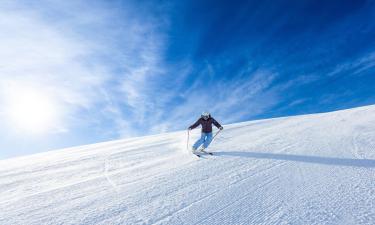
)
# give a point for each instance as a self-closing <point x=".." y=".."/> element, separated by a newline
<point x="205" y="115"/>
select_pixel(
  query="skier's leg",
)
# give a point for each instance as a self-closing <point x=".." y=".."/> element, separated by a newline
<point x="208" y="140"/>
<point x="199" y="142"/>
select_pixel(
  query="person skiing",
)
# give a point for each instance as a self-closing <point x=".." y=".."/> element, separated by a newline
<point x="206" y="122"/>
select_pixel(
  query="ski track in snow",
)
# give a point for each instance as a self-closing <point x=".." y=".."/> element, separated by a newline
<point x="310" y="169"/>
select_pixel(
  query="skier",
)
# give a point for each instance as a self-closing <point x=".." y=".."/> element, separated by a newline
<point x="206" y="122"/>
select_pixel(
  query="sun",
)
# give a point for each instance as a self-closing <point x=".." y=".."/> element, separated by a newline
<point x="30" y="110"/>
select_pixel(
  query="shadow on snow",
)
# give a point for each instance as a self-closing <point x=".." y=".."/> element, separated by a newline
<point x="303" y="158"/>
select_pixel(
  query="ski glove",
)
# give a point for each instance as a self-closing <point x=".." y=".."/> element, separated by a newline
<point x="221" y="128"/>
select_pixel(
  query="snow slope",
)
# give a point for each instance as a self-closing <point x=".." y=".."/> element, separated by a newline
<point x="312" y="169"/>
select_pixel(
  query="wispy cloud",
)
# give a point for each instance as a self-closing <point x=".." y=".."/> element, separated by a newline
<point x="35" y="54"/>
<point x="95" y="61"/>
<point x="354" y="67"/>
<point x="228" y="101"/>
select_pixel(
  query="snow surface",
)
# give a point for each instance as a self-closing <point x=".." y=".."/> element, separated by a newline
<point x="311" y="169"/>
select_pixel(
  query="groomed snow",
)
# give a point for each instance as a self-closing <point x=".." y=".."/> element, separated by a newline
<point x="312" y="169"/>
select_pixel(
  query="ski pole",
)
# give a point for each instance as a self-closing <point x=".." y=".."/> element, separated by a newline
<point x="187" y="143"/>
<point x="215" y="135"/>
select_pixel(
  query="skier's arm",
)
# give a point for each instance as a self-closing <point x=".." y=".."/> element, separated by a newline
<point x="195" y="124"/>
<point x="217" y="124"/>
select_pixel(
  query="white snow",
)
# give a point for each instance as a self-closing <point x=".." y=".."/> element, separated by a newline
<point x="311" y="169"/>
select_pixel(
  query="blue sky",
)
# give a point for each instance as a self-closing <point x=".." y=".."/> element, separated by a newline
<point x="104" y="70"/>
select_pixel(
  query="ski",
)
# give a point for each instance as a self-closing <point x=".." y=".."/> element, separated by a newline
<point x="201" y="152"/>
<point x="209" y="153"/>
<point x="199" y="155"/>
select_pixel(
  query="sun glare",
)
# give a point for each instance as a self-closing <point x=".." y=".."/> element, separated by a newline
<point x="31" y="110"/>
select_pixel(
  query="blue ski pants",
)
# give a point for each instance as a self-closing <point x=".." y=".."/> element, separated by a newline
<point x="205" y="139"/>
